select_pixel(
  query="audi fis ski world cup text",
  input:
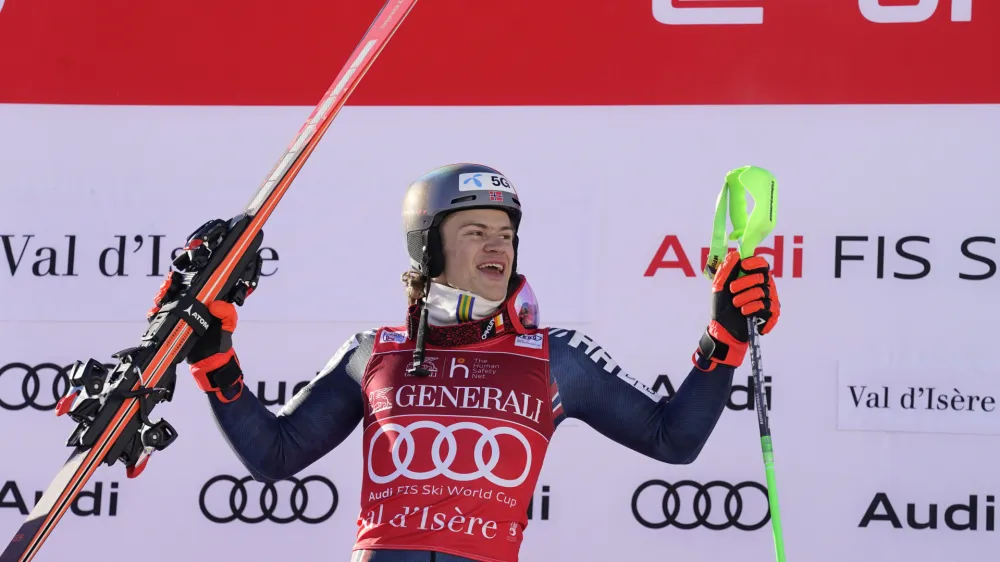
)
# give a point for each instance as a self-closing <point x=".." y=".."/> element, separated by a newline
<point x="908" y="257"/>
<point x="69" y="256"/>
<point x="427" y="518"/>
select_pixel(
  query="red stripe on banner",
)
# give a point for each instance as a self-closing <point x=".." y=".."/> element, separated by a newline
<point x="503" y="52"/>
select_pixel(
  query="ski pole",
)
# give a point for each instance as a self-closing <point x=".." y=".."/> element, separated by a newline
<point x="750" y="231"/>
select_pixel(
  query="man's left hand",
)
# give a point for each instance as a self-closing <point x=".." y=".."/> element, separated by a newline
<point x="740" y="289"/>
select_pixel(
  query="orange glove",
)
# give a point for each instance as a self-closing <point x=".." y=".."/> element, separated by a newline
<point x="740" y="289"/>
<point x="213" y="360"/>
<point x="214" y="364"/>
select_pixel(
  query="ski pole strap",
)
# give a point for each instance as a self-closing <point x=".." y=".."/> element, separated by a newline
<point x="749" y="230"/>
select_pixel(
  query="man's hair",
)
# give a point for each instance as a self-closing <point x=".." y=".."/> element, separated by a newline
<point x="415" y="283"/>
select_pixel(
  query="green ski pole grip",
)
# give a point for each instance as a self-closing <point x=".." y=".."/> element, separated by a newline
<point x="749" y="229"/>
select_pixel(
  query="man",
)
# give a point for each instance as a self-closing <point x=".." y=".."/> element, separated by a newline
<point x="458" y="405"/>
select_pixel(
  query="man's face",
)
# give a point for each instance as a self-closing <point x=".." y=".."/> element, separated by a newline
<point x="478" y="249"/>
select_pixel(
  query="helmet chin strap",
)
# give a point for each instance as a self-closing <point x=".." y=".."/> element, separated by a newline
<point x="417" y="368"/>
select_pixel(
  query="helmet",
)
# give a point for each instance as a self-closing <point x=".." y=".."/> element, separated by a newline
<point x="440" y="192"/>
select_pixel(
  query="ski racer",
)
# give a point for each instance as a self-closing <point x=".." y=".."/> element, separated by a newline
<point x="458" y="404"/>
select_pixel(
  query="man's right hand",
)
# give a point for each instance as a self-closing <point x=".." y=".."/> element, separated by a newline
<point x="214" y="364"/>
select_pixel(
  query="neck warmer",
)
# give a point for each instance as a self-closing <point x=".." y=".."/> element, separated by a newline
<point x="447" y="306"/>
<point x="458" y="318"/>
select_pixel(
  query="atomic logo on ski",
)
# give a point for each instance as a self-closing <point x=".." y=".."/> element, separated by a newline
<point x="196" y="316"/>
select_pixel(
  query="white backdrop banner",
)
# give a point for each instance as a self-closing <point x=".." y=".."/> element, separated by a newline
<point x="882" y="391"/>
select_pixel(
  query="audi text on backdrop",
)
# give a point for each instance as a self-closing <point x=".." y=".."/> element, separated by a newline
<point x="962" y="516"/>
<point x="741" y="396"/>
<point x="88" y="503"/>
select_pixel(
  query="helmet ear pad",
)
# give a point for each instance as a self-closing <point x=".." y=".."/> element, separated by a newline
<point x="514" y="281"/>
<point x="435" y="252"/>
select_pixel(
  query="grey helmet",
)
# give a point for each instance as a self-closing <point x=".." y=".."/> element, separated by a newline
<point x="447" y="189"/>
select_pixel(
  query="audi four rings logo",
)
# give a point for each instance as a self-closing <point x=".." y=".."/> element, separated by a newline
<point x="225" y="499"/>
<point x="654" y="511"/>
<point x="442" y="466"/>
<point x="34" y="393"/>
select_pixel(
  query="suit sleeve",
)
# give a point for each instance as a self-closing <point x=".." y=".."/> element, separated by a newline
<point x="314" y="422"/>
<point x="594" y="389"/>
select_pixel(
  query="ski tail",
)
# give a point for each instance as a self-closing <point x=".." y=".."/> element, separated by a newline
<point x="112" y="405"/>
<point x="30" y="536"/>
<point x="368" y="49"/>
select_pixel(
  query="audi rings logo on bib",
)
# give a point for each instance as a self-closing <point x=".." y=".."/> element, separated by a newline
<point x="460" y="451"/>
<point x="686" y="504"/>
<point x="36" y="387"/>
<point x="312" y="499"/>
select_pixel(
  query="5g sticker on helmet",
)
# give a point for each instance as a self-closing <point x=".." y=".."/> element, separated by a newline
<point x="482" y="180"/>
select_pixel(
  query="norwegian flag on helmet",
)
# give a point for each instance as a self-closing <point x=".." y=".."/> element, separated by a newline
<point x="496" y="196"/>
